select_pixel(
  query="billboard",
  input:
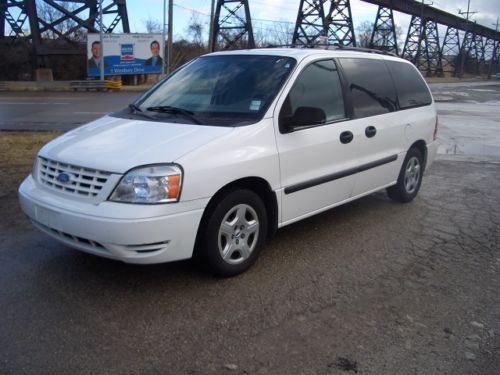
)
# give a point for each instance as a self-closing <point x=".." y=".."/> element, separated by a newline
<point x="124" y="54"/>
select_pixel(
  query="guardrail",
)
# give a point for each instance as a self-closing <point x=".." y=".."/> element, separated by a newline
<point x="95" y="85"/>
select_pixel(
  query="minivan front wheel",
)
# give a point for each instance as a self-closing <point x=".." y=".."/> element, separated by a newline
<point x="234" y="233"/>
<point x="409" y="179"/>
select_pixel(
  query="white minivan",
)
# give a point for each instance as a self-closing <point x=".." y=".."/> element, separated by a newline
<point x="229" y="148"/>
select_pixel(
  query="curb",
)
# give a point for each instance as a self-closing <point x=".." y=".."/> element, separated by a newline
<point x="56" y="86"/>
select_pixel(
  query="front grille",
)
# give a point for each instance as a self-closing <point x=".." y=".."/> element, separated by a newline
<point x="83" y="182"/>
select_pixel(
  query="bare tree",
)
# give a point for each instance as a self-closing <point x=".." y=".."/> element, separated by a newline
<point x="64" y="25"/>
<point x="152" y="25"/>
<point x="195" y="29"/>
<point x="275" y="34"/>
<point x="364" y="30"/>
<point x="281" y="33"/>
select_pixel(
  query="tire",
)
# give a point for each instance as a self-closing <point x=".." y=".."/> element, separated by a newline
<point x="409" y="179"/>
<point x="233" y="234"/>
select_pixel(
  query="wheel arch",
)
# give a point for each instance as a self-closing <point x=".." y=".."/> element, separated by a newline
<point x="257" y="185"/>
<point x="422" y="147"/>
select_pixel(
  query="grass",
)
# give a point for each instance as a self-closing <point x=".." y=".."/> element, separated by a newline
<point x="17" y="152"/>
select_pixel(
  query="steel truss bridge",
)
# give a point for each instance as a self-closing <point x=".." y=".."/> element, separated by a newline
<point x="318" y="22"/>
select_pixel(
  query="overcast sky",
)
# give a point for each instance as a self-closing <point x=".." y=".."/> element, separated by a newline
<point x="265" y="11"/>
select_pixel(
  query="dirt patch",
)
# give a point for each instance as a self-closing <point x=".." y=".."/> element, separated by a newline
<point x="17" y="153"/>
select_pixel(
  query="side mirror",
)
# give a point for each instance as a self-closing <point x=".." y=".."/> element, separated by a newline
<point x="302" y="117"/>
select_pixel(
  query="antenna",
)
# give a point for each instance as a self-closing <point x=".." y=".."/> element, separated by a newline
<point x="468" y="12"/>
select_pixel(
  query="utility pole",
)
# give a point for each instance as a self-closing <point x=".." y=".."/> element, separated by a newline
<point x="462" y="54"/>
<point x="211" y="31"/>
<point x="170" y="33"/>
<point x="163" y="37"/>
<point x="101" y="40"/>
<point x="424" y="3"/>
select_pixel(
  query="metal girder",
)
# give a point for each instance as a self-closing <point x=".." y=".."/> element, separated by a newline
<point x="310" y="23"/>
<point x="3" y="12"/>
<point x="451" y="42"/>
<point x="384" y="31"/>
<point x="422" y="46"/>
<point x="450" y="49"/>
<point x="314" y="24"/>
<point x="232" y="22"/>
<point x="480" y="54"/>
<point x="432" y="50"/>
<point x="415" y="8"/>
<point x="66" y="17"/>
<point x="15" y="20"/>
<point x="489" y="49"/>
<point x="411" y="49"/>
<point x="479" y="45"/>
<point x="121" y="15"/>
<point x="494" y="57"/>
<point x="339" y="23"/>
<point x="468" y="46"/>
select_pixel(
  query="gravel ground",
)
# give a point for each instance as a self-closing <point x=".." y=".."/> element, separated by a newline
<point x="373" y="287"/>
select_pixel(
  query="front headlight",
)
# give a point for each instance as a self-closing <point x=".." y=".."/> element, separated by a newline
<point x="149" y="185"/>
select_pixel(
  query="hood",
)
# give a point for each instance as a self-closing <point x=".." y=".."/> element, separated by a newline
<point x="116" y="145"/>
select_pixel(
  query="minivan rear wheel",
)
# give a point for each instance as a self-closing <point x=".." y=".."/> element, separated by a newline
<point x="409" y="179"/>
<point x="234" y="233"/>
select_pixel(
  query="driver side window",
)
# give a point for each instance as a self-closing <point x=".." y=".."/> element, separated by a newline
<point x="315" y="98"/>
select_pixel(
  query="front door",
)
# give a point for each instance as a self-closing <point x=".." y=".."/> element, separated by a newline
<point x="317" y="147"/>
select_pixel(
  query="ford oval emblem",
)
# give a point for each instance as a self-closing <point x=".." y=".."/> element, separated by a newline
<point x="63" y="178"/>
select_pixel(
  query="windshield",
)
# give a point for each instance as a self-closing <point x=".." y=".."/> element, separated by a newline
<point x="224" y="90"/>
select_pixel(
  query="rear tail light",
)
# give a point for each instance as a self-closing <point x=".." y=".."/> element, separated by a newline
<point x="434" y="135"/>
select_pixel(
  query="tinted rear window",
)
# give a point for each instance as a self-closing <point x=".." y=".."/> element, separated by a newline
<point x="411" y="88"/>
<point x="370" y="85"/>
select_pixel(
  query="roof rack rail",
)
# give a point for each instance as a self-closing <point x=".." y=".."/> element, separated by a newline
<point x="280" y="46"/>
<point x="334" y="46"/>
<point x="364" y="49"/>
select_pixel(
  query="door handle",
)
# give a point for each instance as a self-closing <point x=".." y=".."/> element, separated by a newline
<point x="370" y="131"/>
<point x="346" y="137"/>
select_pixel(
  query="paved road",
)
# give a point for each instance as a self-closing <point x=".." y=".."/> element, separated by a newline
<point x="461" y="106"/>
<point x="63" y="111"/>
<point x="469" y="118"/>
<point x="372" y="287"/>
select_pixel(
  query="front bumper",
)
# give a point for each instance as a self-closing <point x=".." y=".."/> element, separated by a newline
<point x="132" y="233"/>
<point x="432" y="148"/>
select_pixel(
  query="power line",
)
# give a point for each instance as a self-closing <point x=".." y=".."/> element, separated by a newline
<point x="208" y="15"/>
<point x="281" y="7"/>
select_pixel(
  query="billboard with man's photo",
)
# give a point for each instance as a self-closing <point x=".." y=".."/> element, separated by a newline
<point x="124" y="54"/>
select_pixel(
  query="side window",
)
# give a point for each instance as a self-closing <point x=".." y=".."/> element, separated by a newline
<point x="315" y="98"/>
<point x="411" y="88"/>
<point x="371" y="87"/>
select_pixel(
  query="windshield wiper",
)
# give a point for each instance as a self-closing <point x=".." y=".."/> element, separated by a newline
<point x="134" y="109"/>
<point x="174" y="110"/>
